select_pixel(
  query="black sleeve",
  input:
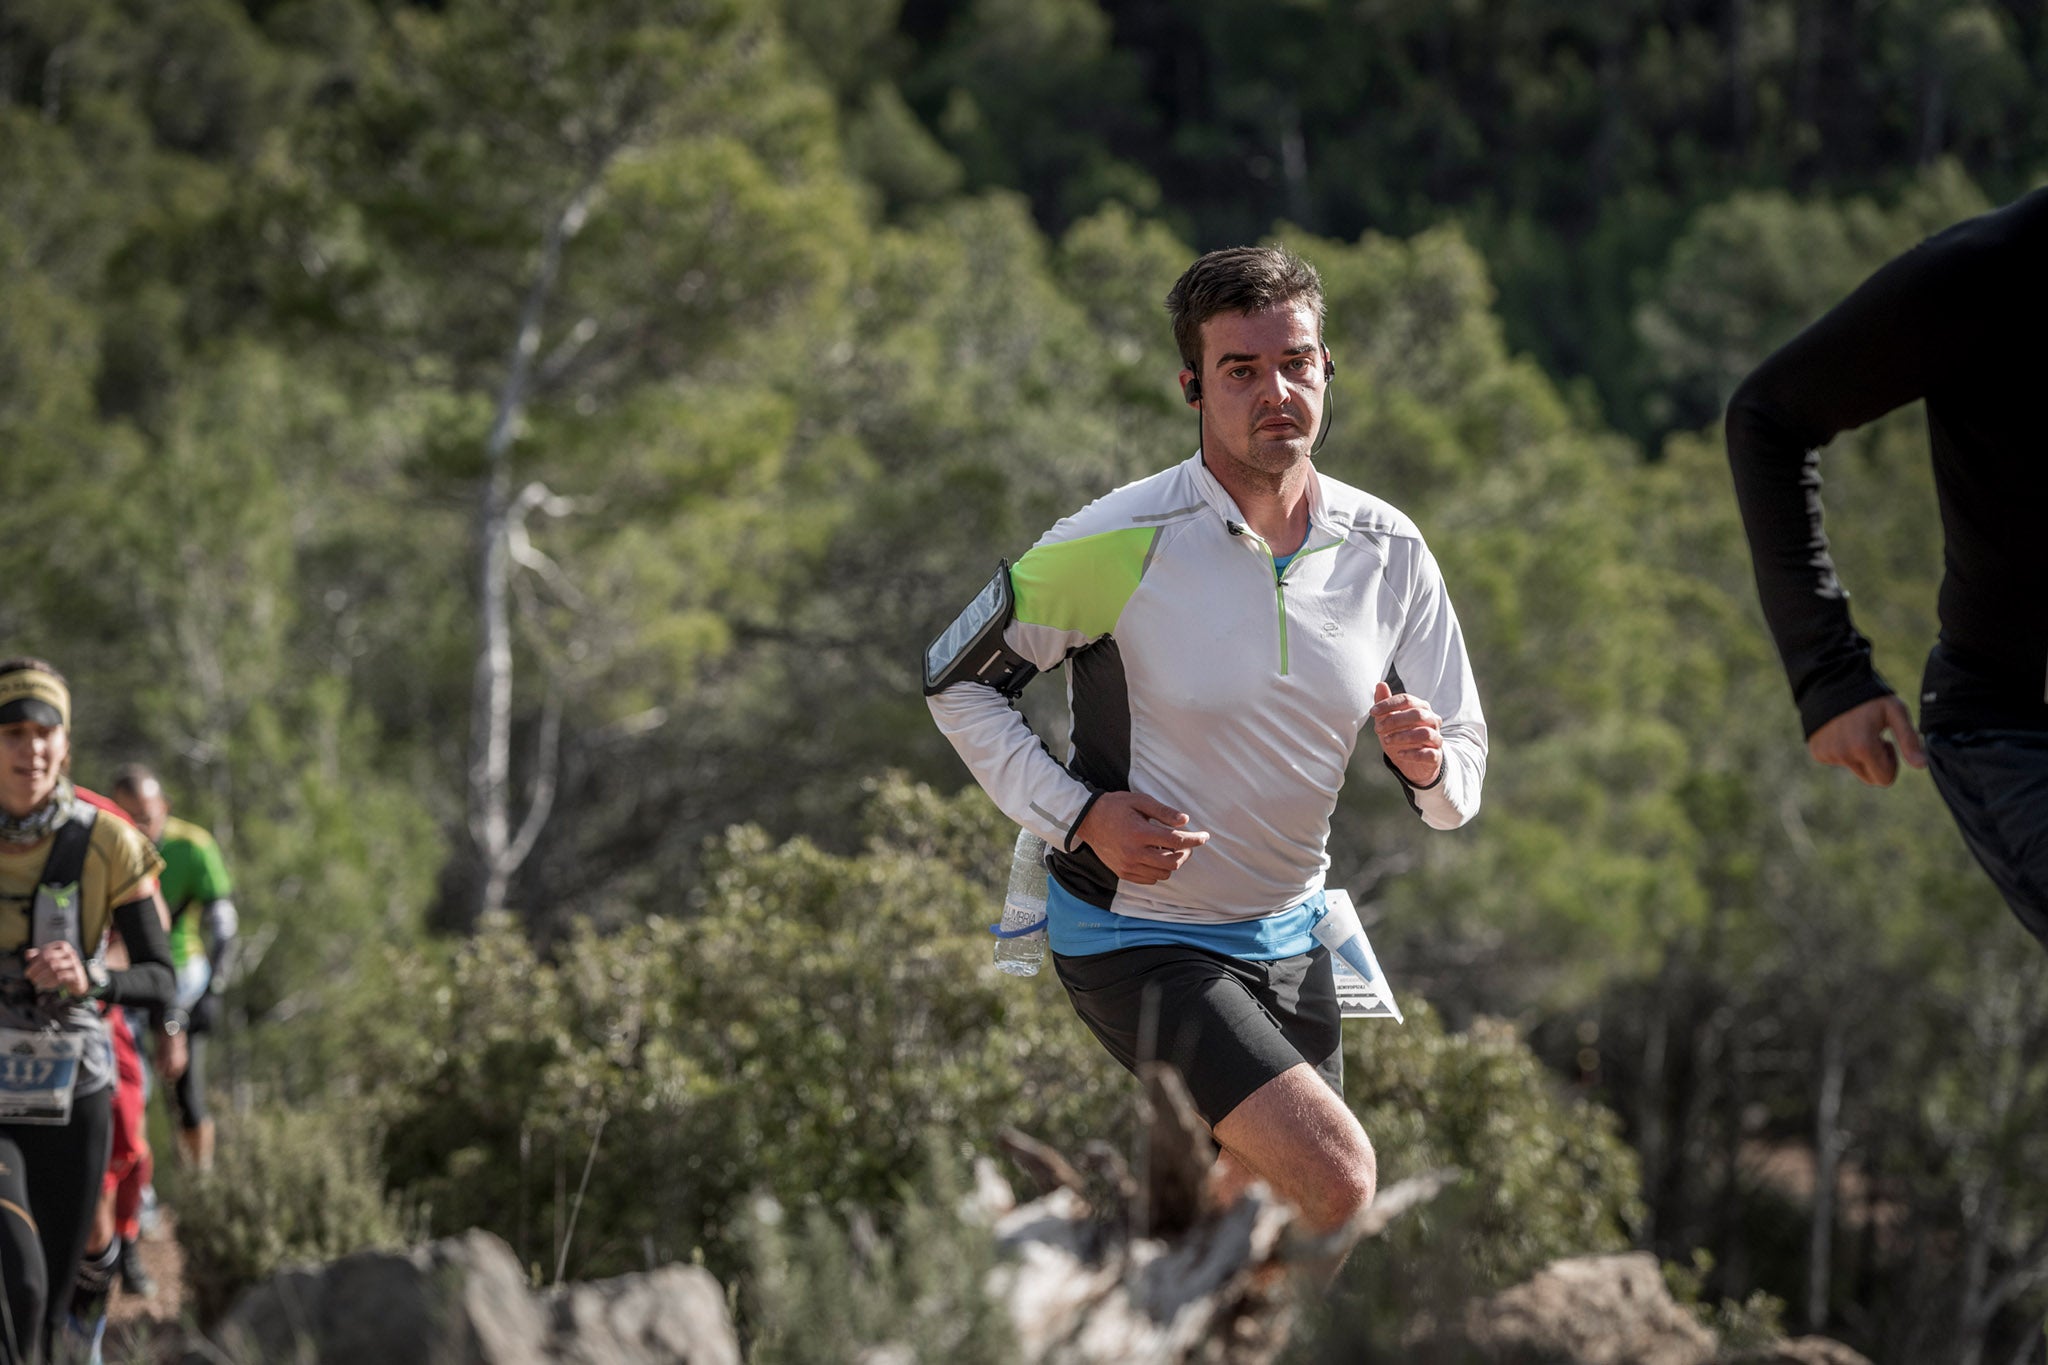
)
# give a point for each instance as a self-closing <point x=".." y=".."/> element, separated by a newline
<point x="1879" y="349"/>
<point x="149" y="978"/>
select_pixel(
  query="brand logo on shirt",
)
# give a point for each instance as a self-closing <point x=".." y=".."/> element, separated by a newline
<point x="1331" y="630"/>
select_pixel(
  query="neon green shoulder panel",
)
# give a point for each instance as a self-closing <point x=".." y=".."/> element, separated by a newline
<point x="1081" y="584"/>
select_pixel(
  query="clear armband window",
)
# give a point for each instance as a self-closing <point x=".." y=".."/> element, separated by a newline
<point x="972" y="649"/>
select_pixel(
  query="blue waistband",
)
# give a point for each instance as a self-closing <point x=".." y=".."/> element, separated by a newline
<point x="1075" y="928"/>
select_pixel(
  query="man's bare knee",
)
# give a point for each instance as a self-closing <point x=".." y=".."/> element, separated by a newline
<point x="1338" y="1187"/>
<point x="1300" y="1139"/>
<point x="1354" y="1184"/>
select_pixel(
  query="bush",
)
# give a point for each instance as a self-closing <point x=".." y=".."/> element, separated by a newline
<point x="287" y="1188"/>
<point x="1547" y="1176"/>
<point x="817" y="1028"/>
<point x="824" y="1290"/>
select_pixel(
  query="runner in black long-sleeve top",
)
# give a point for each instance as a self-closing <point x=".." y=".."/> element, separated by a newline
<point x="1960" y="321"/>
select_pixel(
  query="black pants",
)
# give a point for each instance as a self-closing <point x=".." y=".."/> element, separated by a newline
<point x="190" y="1088"/>
<point x="50" y="1176"/>
<point x="1996" y="785"/>
<point x="1227" y="1024"/>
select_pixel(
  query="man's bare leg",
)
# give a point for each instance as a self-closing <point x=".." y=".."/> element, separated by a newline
<point x="1229" y="1178"/>
<point x="1297" y="1136"/>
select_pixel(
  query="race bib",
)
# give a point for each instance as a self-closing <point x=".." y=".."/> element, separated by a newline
<point x="1362" y="989"/>
<point x="37" y="1073"/>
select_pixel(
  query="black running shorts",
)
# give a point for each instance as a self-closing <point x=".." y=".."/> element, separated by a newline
<point x="1227" y="1024"/>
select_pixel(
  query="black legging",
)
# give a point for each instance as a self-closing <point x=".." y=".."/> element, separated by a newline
<point x="190" y="1088"/>
<point x="50" y="1176"/>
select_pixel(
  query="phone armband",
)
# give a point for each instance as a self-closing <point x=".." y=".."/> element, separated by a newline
<point x="972" y="649"/>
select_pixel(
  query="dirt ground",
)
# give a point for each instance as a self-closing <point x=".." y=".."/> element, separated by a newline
<point x="143" y="1331"/>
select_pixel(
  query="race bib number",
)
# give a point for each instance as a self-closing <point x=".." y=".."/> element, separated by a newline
<point x="1362" y="988"/>
<point x="37" y="1073"/>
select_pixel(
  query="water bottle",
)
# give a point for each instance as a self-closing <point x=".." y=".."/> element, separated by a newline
<point x="1020" y="938"/>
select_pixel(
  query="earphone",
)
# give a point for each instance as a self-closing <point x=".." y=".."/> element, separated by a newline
<point x="1191" y="390"/>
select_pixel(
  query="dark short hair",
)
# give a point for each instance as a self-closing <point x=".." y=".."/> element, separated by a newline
<point x="133" y="777"/>
<point x="1238" y="279"/>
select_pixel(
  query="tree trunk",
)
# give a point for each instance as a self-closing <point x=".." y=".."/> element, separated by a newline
<point x="1933" y="112"/>
<point x="490" y="764"/>
<point x="1827" y="1152"/>
<point x="1650" y="1109"/>
<point x="1741" y="97"/>
<point x="1810" y="34"/>
<point x="1981" y="1210"/>
<point x="1294" y="166"/>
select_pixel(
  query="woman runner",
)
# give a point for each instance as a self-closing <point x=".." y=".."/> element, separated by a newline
<point x="67" y="876"/>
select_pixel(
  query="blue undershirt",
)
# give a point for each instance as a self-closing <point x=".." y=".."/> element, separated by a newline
<point x="1075" y="928"/>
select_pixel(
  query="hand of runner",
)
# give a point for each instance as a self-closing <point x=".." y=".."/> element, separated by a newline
<point x="1410" y="734"/>
<point x="1141" y="840"/>
<point x="56" y="966"/>
<point x="173" y="1055"/>
<point x="1855" y="740"/>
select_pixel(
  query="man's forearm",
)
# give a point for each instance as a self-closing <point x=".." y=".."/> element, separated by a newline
<point x="1007" y="758"/>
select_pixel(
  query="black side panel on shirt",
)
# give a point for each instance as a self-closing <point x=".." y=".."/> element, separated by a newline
<point x="1102" y="757"/>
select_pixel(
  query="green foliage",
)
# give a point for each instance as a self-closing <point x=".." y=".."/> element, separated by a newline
<point x="1549" y="1174"/>
<point x="811" y="366"/>
<point x="288" y="1187"/>
<point x="820" y="1291"/>
<point x="818" y="1028"/>
<point x="1546" y="1176"/>
<point x="1752" y="270"/>
<point x="1740" y="1328"/>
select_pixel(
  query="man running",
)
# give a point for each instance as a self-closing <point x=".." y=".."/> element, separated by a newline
<point x="1956" y="321"/>
<point x="196" y="888"/>
<point x="1231" y="625"/>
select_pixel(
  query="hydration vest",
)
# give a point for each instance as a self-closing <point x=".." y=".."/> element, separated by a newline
<point x="54" y="914"/>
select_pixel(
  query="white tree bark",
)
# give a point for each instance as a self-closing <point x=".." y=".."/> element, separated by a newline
<point x="501" y="545"/>
<point x="1827" y="1157"/>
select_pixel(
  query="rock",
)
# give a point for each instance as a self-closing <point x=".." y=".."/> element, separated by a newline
<point x="465" y="1301"/>
<point x="1080" y="1293"/>
<point x="1590" y="1310"/>
<point x="1152" y="1271"/>
<point x="461" y="1301"/>
<point x="672" y="1316"/>
<point x="1803" y="1351"/>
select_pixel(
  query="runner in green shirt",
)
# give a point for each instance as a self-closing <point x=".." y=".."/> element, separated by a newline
<point x="201" y="898"/>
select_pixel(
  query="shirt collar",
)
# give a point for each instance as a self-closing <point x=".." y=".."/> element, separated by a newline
<point x="1219" y="500"/>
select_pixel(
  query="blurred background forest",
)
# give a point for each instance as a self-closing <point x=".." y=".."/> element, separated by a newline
<point x="500" y="460"/>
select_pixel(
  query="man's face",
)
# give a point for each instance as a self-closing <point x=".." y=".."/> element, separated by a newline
<point x="147" y="808"/>
<point x="1262" y="389"/>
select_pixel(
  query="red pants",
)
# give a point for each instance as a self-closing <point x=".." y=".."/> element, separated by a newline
<point x="129" y="1168"/>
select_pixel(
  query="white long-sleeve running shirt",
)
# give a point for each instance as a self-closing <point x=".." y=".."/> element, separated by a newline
<point x="1198" y="677"/>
